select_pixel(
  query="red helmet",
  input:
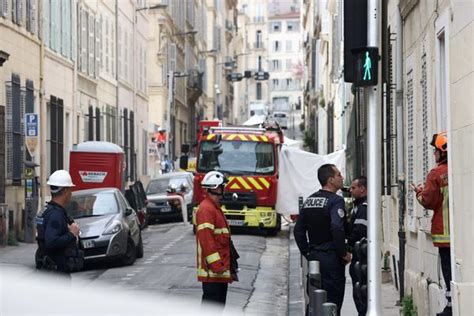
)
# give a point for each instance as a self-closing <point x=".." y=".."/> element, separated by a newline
<point x="440" y="141"/>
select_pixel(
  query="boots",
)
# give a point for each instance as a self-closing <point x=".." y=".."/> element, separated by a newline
<point x="447" y="311"/>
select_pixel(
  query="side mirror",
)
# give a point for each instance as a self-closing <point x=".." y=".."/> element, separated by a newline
<point x="185" y="148"/>
<point x="128" y="211"/>
<point x="183" y="162"/>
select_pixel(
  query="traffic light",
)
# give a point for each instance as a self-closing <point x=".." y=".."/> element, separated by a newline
<point x="360" y="267"/>
<point x="366" y="66"/>
<point x="355" y="33"/>
<point x="235" y="76"/>
<point x="262" y="75"/>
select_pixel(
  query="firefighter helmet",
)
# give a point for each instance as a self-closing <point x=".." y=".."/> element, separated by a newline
<point x="171" y="188"/>
<point x="58" y="180"/>
<point x="440" y="141"/>
<point x="213" y="180"/>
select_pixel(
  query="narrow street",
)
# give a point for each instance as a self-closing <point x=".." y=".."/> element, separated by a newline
<point x="168" y="267"/>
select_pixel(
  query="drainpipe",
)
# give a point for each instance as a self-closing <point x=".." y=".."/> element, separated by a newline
<point x="400" y="154"/>
<point x="117" y="118"/>
<point x="42" y="112"/>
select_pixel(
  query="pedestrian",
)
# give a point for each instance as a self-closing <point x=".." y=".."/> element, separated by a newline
<point x="358" y="231"/>
<point x="57" y="233"/>
<point x="434" y="196"/>
<point x="320" y="233"/>
<point x="216" y="257"/>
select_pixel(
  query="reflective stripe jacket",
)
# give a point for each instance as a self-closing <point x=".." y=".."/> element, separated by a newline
<point x="213" y="243"/>
<point x="435" y="197"/>
<point x="358" y="223"/>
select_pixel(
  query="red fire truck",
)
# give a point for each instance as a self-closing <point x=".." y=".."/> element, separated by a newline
<point x="249" y="158"/>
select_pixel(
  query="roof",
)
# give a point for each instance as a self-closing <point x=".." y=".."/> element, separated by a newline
<point x="96" y="146"/>
<point x="289" y="15"/>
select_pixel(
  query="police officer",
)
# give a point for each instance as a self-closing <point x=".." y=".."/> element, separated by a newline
<point x="358" y="230"/>
<point x="320" y="233"/>
<point x="57" y="233"/>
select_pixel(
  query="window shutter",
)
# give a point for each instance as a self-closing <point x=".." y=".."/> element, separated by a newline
<point x="52" y="16"/>
<point x="97" y="124"/>
<point x="33" y="18"/>
<point x="410" y="139"/>
<point x="172" y="57"/>
<point x="91" y="123"/>
<point x="104" y="42"/>
<point x="17" y="105"/>
<point x="91" y="46"/>
<point x="63" y="28"/>
<point x="97" y="49"/>
<point x="53" y="112"/>
<point x="125" y="141"/>
<point x="125" y="55"/>
<point x="119" y="51"/>
<point x="84" y="41"/>
<point x="425" y="115"/>
<point x="8" y="129"/>
<point x="4" y="8"/>
<point x="60" y="124"/>
<point x="20" y="12"/>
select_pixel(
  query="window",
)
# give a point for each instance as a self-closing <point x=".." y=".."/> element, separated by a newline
<point x="275" y="27"/>
<point x="289" y="64"/>
<point x="275" y="65"/>
<point x="276" y="46"/>
<point x="31" y="17"/>
<point x="258" y="94"/>
<point x="442" y="81"/>
<point x="275" y="84"/>
<point x="259" y="63"/>
<point x="289" y="46"/>
<point x="55" y="134"/>
<point x="293" y="26"/>
<point x="289" y="84"/>
<point x="259" y="39"/>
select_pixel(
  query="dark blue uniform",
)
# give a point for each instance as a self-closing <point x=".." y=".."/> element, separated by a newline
<point x="320" y="235"/>
<point x="358" y="230"/>
<point x="54" y="238"/>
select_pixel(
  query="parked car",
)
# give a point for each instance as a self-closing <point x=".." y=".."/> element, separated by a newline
<point x="281" y="118"/>
<point x="109" y="226"/>
<point x="158" y="186"/>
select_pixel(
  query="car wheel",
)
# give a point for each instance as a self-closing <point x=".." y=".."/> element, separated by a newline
<point x="131" y="253"/>
<point x="140" y="247"/>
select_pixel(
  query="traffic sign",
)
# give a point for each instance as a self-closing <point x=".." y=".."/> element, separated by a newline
<point x="31" y="132"/>
<point x="262" y="75"/>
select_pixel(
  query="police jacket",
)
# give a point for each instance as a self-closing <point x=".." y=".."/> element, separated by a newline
<point x="320" y="225"/>
<point x="435" y="197"/>
<point x="54" y="237"/>
<point x="213" y="243"/>
<point x="358" y="221"/>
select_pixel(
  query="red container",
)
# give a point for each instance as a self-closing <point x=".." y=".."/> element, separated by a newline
<point x="97" y="165"/>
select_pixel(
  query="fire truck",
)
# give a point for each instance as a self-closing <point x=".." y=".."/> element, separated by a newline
<point x="249" y="158"/>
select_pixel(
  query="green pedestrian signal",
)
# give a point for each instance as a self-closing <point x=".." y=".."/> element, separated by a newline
<point x="367" y="60"/>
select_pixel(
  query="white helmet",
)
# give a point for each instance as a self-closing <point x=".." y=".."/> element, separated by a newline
<point x="213" y="180"/>
<point x="60" y="179"/>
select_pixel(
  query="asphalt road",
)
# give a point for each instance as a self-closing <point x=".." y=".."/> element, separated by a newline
<point x="168" y="267"/>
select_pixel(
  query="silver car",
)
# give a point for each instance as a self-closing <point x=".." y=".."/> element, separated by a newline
<point x="109" y="226"/>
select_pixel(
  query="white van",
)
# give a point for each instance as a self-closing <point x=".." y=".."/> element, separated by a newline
<point x="281" y="118"/>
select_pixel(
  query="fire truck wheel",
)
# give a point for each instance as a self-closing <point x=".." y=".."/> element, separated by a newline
<point x="131" y="253"/>
<point x="140" y="247"/>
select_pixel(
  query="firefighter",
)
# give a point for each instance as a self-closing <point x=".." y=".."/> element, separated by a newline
<point x="58" y="233"/>
<point x="434" y="196"/>
<point x="214" y="260"/>
<point x="357" y="231"/>
<point x="320" y="233"/>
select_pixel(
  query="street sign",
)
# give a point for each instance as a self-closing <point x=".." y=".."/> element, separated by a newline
<point x="262" y="75"/>
<point x="235" y="76"/>
<point x="31" y="132"/>
<point x="366" y="71"/>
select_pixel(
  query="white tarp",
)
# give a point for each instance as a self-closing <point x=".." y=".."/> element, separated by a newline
<point x="293" y="143"/>
<point x="255" y="120"/>
<point x="298" y="175"/>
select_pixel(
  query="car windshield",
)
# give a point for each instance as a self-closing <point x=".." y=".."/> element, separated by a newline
<point x="237" y="157"/>
<point x="89" y="205"/>
<point x="158" y="186"/>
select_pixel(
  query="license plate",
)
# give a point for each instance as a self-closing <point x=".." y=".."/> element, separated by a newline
<point x="88" y="244"/>
<point x="236" y="222"/>
<point x="166" y="209"/>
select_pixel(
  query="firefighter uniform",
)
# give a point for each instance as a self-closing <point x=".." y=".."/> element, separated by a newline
<point x="320" y="235"/>
<point x="213" y="251"/>
<point x="358" y="230"/>
<point x="434" y="196"/>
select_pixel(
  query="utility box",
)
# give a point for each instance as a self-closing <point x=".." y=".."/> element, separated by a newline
<point x="97" y="164"/>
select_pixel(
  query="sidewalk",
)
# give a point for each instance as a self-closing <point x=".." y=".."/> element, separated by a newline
<point x="296" y="299"/>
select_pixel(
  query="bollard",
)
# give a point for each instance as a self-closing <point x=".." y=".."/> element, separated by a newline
<point x="316" y="300"/>
<point x="329" y="309"/>
<point x="314" y="274"/>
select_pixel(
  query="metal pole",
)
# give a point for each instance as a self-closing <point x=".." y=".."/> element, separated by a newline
<point x="168" y="112"/>
<point x="400" y="156"/>
<point x="374" y="156"/>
